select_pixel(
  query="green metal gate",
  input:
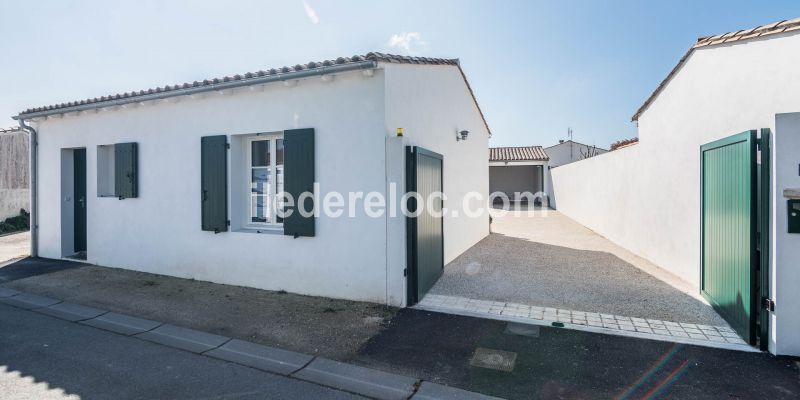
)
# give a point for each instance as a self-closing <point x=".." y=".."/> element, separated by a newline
<point x="730" y="193"/>
<point x="424" y="231"/>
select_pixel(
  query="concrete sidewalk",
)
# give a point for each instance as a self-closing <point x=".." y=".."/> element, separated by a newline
<point x="321" y="371"/>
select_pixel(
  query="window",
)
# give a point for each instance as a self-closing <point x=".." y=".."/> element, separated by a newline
<point x="265" y="177"/>
<point x="117" y="166"/>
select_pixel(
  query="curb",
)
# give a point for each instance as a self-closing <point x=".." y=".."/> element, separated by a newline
<point x="321" y="371"/>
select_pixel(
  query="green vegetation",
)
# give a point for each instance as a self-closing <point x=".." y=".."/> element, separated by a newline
<point x="21" y="222"/>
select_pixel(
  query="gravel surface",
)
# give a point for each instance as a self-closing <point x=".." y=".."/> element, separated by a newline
<point x="312" y="325"/>
<point x="14" y="246"/>
<point x="553" y="261"/>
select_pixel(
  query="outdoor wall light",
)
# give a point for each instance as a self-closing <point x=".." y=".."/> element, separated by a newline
<point x="461" y="135"/>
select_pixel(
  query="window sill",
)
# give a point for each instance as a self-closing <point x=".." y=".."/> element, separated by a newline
<point x="278" y="230"/>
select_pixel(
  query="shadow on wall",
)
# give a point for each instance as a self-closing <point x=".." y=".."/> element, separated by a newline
<point x="506" y="268"/>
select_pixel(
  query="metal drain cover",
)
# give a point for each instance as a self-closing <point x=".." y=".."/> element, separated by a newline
<point x="493" y="359"/>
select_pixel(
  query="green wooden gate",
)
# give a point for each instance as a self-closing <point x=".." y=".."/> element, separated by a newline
<point x="425" y="231"/>
<point x="730" y="225"/>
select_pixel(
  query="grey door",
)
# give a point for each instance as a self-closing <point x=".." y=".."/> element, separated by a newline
<point x="425" y="231"/>
<point x="79" y="191"/>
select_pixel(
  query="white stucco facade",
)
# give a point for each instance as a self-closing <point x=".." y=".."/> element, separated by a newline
<point x="646" y="197"/>
<point x="354" y="115"/>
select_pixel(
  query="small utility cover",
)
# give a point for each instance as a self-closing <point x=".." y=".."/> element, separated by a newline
<point x="493" y="359"/>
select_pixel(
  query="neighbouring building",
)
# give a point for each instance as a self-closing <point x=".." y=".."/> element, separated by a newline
<point x="176" y="180"/>
<point x="14" y="192"/>
<point x="711" y="192"/>
<point x="568" y="151"/>
<point x="517" y="170"/>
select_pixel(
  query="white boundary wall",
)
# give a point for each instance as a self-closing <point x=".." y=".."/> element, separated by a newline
<point x="646" y="197"/>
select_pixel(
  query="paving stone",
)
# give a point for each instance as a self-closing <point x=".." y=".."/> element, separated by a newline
<point x="261" y="357"/>
<point x="355" y="379"/>
<point x="183" y="338"/>
<point x="6" y="292"/>
<point x="29" y="301"/>
<point x="122" y="324"/>
<point x="71" y="312"/>
<point x="434" y="391"/>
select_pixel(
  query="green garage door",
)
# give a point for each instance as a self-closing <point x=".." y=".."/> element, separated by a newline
<point x="730" y="259"/>
<point x="425" y="231"/>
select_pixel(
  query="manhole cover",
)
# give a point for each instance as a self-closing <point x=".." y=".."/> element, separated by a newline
<point x="514" y="328"/>
<point x="493" y="359"/>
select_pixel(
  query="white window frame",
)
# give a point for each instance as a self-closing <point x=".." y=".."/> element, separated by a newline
<point x="273" y="138"/>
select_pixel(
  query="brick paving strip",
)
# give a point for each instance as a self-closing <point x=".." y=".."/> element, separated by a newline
<point x="721" y="337"/>
<point x="318" y="370"/>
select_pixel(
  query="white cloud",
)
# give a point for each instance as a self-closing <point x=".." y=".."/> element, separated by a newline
<point x="312" y="15"/>
<point x="405" y="40"/>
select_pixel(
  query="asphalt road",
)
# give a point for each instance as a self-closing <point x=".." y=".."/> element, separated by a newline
<point x="46" y="358"/>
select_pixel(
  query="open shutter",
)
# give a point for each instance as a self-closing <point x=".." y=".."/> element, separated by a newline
<point x="214" y="183"/>
<point x="126" y="181"/>
<point x="298" y="174"/>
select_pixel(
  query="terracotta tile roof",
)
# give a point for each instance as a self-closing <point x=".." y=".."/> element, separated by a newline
<point x="744" y="34"/>
<point x="313" y="65"/>
<point x="527" y="153"/>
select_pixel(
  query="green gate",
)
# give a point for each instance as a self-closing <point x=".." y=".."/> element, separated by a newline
<point x="424" y="231"/>
<point x="730" y="230"/>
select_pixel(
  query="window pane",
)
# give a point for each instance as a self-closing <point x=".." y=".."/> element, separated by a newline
<point x="260" y="180"/>
<point x="279" y="151"/>
<point x="259" y="211"/>
<point x="260" y="153"/>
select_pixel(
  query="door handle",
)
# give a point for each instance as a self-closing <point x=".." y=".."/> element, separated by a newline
<point x="82" y="201"/>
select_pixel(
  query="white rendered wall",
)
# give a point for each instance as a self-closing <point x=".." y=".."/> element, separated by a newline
<point x="159" y="232"/>
<point x="785" y="246"/>
<point x="646" y="197"/>
<point x="432" y="103"/>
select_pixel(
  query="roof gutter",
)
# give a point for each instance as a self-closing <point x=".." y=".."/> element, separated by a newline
<point x="360" y="65"/>
<point x="34" y="150"/>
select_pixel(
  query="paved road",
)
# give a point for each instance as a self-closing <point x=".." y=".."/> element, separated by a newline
<point x="46" y="358"/>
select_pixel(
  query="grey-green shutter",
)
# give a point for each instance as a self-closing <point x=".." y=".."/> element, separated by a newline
<point x="214" y="183"/>
<point x="126" y="181"/>
<point x="298" y="172"/>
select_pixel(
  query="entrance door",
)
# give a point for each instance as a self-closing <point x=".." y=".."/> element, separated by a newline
<point x="730" y="257"/>
<point x="425" y="235"/>
<point x="79" y="194"/>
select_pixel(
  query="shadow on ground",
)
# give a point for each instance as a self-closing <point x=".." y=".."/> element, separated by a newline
<point x="570" y="364"/>
<point x="511" y="269"/>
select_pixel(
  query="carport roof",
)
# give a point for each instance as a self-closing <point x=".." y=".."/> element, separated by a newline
<point x="526" y="153"/>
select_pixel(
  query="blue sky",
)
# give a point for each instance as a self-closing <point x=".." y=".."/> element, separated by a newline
<point x="537" y="67"/>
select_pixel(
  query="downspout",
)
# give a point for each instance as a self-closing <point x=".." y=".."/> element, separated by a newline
<point x="34" y="144"/>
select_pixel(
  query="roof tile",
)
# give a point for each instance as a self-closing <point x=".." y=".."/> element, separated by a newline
<point x="527" y="153"/>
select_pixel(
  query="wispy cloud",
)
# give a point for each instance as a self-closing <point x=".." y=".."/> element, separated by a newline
<point x="405" y="41"/>
<point x="312" y="15"/>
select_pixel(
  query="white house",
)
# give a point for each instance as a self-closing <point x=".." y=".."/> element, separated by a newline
<point x="651" y="197"/>
<point x="176" y="180"/>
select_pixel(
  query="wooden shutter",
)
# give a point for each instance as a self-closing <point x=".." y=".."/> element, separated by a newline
<point x="126" y="181"/>
<point x="214" y="183"/>
<point x="298" y="175"/>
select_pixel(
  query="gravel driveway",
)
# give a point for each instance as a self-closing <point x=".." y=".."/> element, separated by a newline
<point x="552" y="261"/>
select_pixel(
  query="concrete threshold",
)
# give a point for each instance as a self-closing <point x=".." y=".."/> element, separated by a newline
<point x="321" y="371"/>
